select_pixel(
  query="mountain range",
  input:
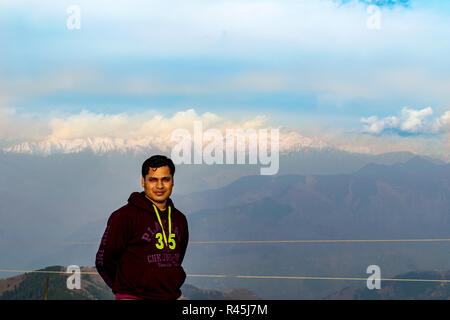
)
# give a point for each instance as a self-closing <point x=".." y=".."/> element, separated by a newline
<point x="289" y="141"/>
<point x="32" y="286"/>
<point x="327" y="194"/>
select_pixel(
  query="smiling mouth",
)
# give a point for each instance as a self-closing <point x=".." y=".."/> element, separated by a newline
<point x="159" y="193"/>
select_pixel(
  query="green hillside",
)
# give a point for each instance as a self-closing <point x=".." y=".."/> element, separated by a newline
<point x="31" y="286"/>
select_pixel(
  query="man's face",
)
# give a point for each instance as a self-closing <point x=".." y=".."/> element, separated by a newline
<point x="158" y="184"/>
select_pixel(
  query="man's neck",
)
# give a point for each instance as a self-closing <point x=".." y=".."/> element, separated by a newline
<point x="161" y="206"/>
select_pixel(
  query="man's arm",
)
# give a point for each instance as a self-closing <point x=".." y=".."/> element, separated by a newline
<point x="113" y="243"/>
<point x="184" y="242"/>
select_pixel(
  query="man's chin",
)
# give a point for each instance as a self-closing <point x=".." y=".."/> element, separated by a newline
<point x="159" y="198"/>
<point x="156" y="198"/>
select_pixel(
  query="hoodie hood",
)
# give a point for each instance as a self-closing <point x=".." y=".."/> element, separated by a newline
<point x="138" y="199"/>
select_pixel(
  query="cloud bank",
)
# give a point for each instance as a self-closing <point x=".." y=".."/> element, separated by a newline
<point x="101" y="132"/>
<point x="409" y="121"/>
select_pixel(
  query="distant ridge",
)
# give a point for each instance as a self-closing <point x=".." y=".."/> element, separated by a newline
<point x="31" y="286"/>
<point x="399" y="290"/>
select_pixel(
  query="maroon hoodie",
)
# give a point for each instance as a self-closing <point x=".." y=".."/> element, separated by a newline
<point x="133" y="257"/>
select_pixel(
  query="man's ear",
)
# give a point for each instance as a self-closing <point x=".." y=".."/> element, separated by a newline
<point x="143" y="182"/>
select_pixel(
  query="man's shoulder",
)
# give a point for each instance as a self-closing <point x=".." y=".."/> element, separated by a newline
<point x="125" y="210"/>
<point x="179" y="213"/>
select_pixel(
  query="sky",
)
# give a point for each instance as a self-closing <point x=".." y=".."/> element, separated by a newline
<point x="365" y="75"/>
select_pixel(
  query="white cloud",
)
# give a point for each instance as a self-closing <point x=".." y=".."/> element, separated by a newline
<point x="442" y="123"/>
<point x="414" y="120"/>
<point x="88" y="124"/>
<point x="409" y="121"/>
<point x="375" y="125"/>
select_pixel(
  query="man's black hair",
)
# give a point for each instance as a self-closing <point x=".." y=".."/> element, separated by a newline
<point x="157" y="161"/>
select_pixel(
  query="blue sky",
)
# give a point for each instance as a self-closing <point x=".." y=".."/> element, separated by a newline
<point x="312" y="66"/>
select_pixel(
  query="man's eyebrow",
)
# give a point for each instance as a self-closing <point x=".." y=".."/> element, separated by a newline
<point x="161" y="177"/>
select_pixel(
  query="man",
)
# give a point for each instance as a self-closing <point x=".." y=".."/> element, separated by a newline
<point x="145" y="241"/>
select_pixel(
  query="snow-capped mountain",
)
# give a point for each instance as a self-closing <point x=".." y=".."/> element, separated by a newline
<point x="289" y="141"/>
<point x="292" y="141"/>
<point x="98" y="145"/>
